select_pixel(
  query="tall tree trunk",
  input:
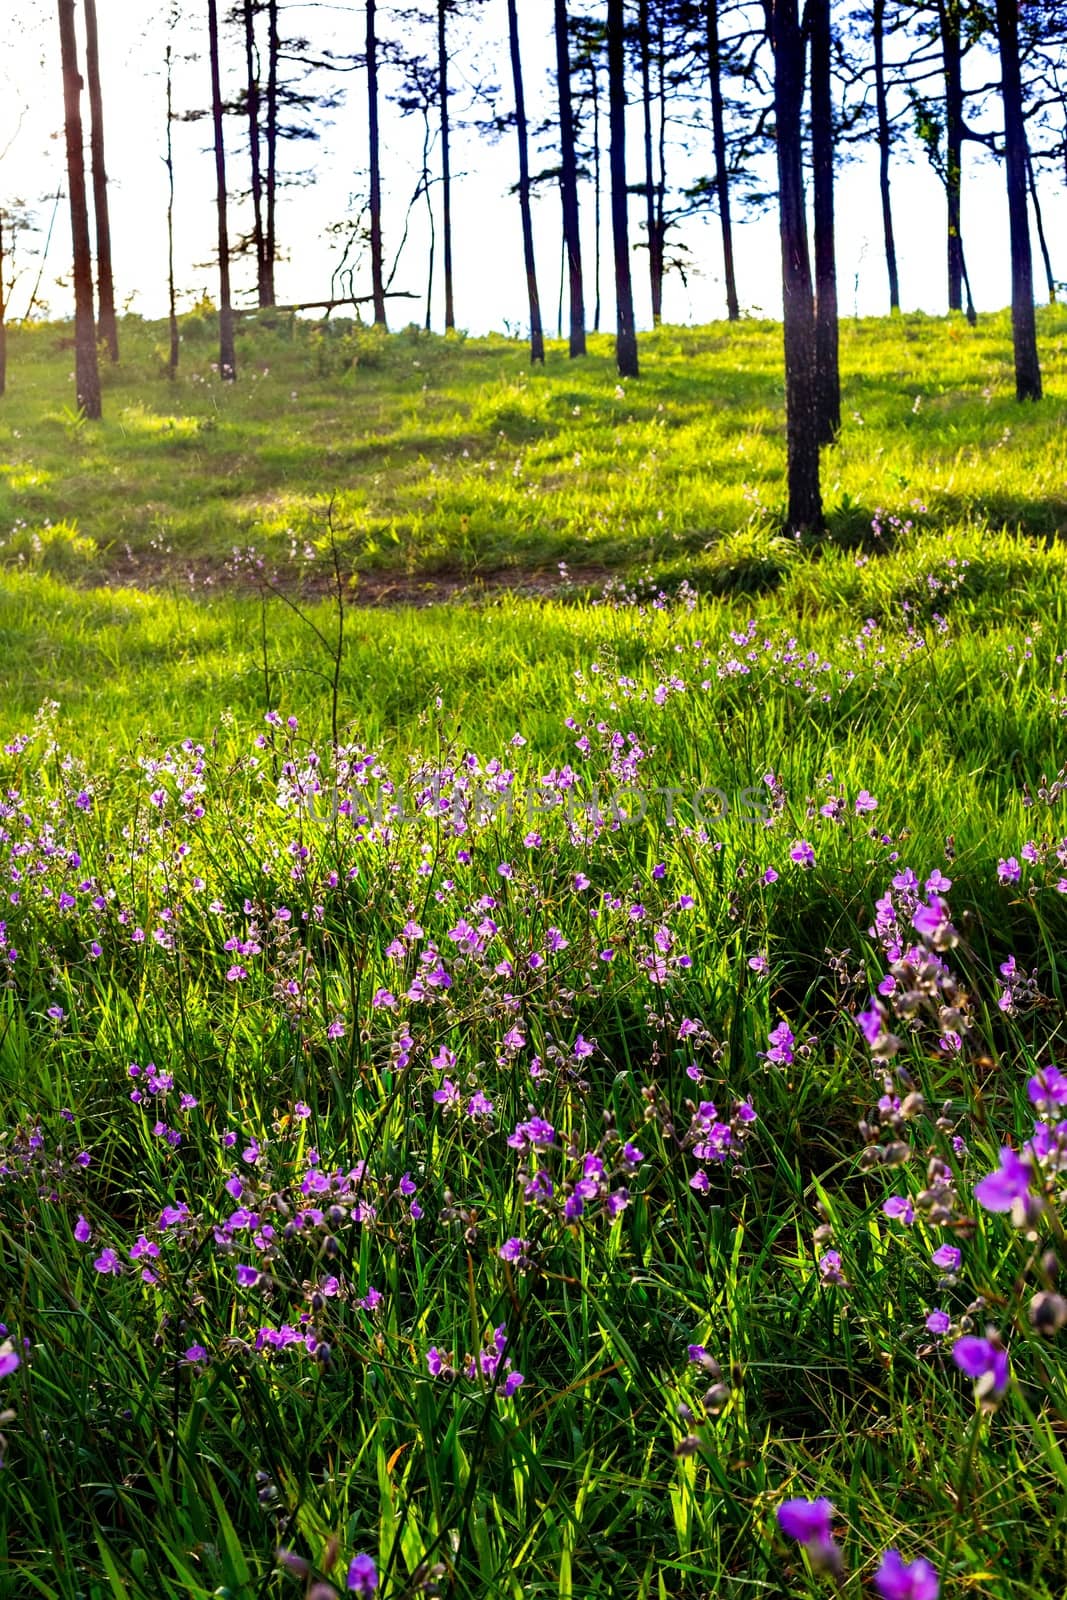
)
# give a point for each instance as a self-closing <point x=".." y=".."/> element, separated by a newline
<point x="252" y="111"/>
<point x="1023" y="326"/>
<point x="882" y="108"/>
<point x="108" y="326"/>
<point x="598" y="189"/>
<point x="661" y="156"/>
<point x="802" y="420"/>
<point x="446" y="164"/>
<point x="625" y="328"/>
<point x="537" y="338"/>
<point x="227" y="350"/>
<point x="270" y="243"/>
<point x="376" y="267"/>
<point x="952" y="56"/>
<point x="722" y="174"/>
<point x="655" y="265"/>
<point x="1050" y="277"/>
<point x="172" y="305"/>
<point x="568" y="182"/>
<point x="430" y="222"/>
<point x="827" y="374"/>
<point x="87" y="373"/>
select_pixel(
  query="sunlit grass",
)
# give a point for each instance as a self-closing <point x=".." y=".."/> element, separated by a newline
<point x="452" y="456"/>
<point x="909" y="679"/>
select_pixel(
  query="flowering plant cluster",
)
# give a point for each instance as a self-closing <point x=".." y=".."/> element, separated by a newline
<point x="436" y="1179"/>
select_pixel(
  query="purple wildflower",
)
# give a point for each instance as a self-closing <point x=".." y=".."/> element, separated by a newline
<point x="1048" y="1087"/>
<point x="362" y="1575"/>
<point x="916" y="1580"/>
<point x="870" y="1023"/>
<point x="781" y="1040"/>
<point x="1000" y="1189"/>
<point x="947" y="1257"/>
<point x="931" y="922"/>
<point x="807" y="1521"/>
<point x="984" y="1361"/>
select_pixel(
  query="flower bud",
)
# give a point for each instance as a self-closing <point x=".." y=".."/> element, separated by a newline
<point x="1048" y="1313"/>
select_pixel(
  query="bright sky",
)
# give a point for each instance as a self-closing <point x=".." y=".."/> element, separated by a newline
<point x="490" y="288"/>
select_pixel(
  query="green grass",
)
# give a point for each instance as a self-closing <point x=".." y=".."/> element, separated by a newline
<point x="924" y="667"/>
<point x="451" y="457"/>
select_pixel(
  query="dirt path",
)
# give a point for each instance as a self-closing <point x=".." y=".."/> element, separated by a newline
<point x="202" y="575"/>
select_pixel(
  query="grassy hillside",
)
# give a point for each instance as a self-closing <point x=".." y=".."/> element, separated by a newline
<point x="451" y="458"/>
<point x="506" y="1090"/>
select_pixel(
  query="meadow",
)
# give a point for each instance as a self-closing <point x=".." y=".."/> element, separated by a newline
<point x="532" y="1094"/>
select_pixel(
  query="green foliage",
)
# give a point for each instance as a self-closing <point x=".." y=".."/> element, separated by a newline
<point x="915" y="655"/>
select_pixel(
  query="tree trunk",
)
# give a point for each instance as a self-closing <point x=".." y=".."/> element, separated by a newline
<point x="882" y="108"/>
<point x="722" y="174"/>
<point x="87" y="374"/>
<point x="446" y="165"/>
<point x="252" y="110"/>
<point x="1050" y="277"/>
<point x="537" y="338"/>
<point x="430" y="222"/>
<point x="172" y="306"/>
<point x="270" y="251"/>
<point x="802" y="421"/>
<point x="952" y="55"/>
<point x="972" y="315"/>
<point x="376" y="268"/>
<point x="227" y="351"/>
<point x="661" y="157"/>
<point x="655" y="264"/>
<point x="108" y="327"/>
<point x="597" y="192"/>
<point x="827" y="374"/>
<point x="1023" y="326"/>
<point x="568" y="183"/>
<point x="625" y="328"/>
